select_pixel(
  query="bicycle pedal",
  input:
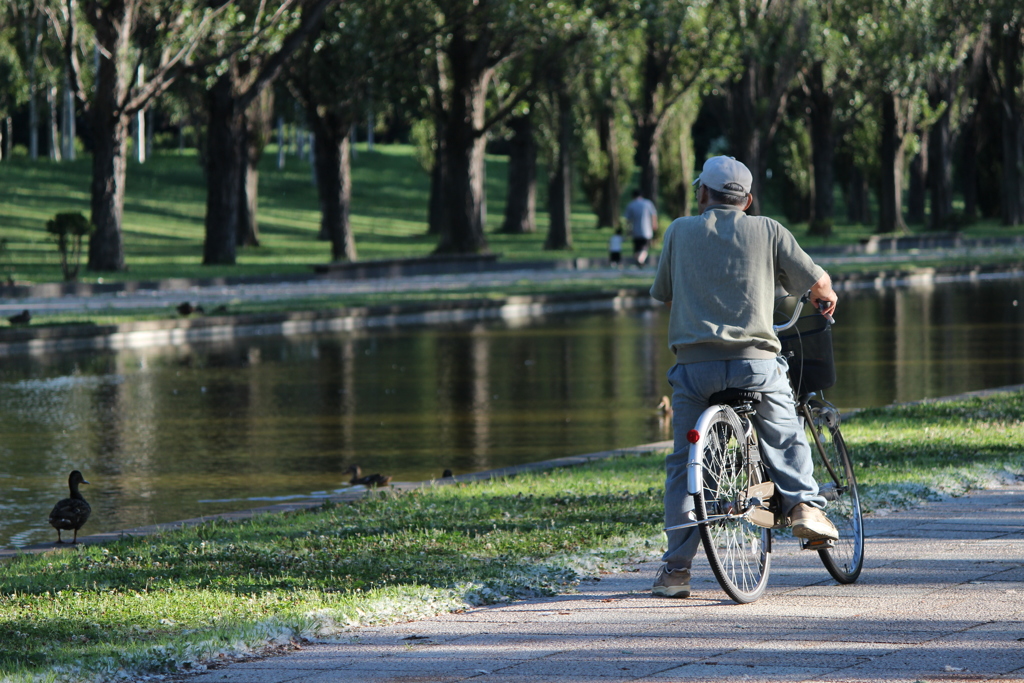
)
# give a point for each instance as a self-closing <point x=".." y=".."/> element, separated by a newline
<point x="818" y="543"/>
<point x="761" y="517"/>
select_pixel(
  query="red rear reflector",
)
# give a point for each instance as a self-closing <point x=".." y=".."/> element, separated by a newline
<point x="693" y="436"/>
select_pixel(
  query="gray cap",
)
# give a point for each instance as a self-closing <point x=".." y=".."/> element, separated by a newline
<point x="726" y="175"/>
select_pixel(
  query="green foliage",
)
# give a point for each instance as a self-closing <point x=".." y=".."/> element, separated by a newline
<point x="793" y="147"/>
<point x="13" y="85"/>
<point x="677" y="163"/>
<point x="67" y="230"/>
<point x="424" y="141"/>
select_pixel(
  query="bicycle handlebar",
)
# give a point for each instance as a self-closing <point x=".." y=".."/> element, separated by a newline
<point x="798" y="309"/>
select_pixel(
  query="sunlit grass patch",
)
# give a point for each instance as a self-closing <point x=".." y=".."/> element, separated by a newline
<point x="908" y="453"/>
<point x="169" y="602"/>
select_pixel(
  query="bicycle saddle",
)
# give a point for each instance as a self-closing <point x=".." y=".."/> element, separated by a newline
<point x="734" y="397"/>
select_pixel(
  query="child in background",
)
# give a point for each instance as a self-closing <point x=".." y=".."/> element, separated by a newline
<point x="615" y="248"/>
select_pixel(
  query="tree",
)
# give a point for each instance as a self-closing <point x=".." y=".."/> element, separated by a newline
<point x="676" y="156"/>
<point x="676" y="46"/>
<point x="607" y="140"/>
<point x="825" y="84"/>
<point x="67" y="231"/>
<point x="771" y="38"/>
<point x="249" y="62"/>
<point x="472" y="40"/>
<point x="560" y="126"/>
<point x="13" y="84"/>
<point x="521" y="200"/>
<point x="331" y="77"/>
<point x="162" y="33"/>
<point x="894" y="41"/>
<point x="1008" y="80"/>
<point x="558" y="70"/>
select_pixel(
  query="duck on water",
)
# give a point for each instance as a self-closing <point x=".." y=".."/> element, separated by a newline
<point x="368" y="480"/>
<point x="71" y="513"/>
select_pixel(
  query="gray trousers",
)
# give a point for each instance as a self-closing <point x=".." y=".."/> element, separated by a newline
<point x="784" y="443"/>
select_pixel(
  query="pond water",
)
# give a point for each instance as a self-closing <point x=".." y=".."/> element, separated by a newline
<point x="176" y="432"/>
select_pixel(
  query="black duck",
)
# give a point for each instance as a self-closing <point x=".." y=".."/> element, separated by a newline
<point x="71" y="513"/>
<point x="23" y="318"/>
<point x="185" y="309"/>
<point x="368" y="480"/>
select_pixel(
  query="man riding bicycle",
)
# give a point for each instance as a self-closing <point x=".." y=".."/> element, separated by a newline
<point x="718" y="274"/>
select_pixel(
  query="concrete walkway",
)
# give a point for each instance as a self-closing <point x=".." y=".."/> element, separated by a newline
<point x="941" y="599"/>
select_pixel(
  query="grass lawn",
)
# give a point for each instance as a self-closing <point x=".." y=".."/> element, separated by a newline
<point x="169" y="602"/>
<point x="165" y="206"/>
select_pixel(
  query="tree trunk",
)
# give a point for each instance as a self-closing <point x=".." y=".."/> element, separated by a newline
<point x="823" y="150"/>
<point x="858" y="198"/>
<point x="521" y="205"/>
<point x="917" y="194"/>
<point x="438" y="213"/>
<point x="1012" y="124"/>
<point x="969" y="166"/>
<point x="648" y="127"/>
<point x="248" y="200"/>
<point x="890" y="194"/>
<point x="464" y="232"/>
<point x="223" y="173"/>
<point x="647" y="159"/>
<point x="746" y="132"/>
<point x="33" y="89"/>
<point x="256" y="125"/>
<point x="560" y="183"/>
<point x="940" y="159"/>
<point x="110" y="126"/>
<point x="54" y="129"/>
<point x="109" y="166"/>
<point x="334" y="182"/>
<point x="608" y="208"/>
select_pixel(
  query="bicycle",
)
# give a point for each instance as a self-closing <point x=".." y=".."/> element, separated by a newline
<point x="736" y="506"/>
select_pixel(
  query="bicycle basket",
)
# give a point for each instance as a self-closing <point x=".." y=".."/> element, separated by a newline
<point x="808" y="350"/>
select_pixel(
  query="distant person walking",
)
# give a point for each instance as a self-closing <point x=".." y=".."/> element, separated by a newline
<point x="615" y="248"/>
<point x="643" y="218"/>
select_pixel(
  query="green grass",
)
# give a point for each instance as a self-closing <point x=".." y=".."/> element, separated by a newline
<point x="169" y="602"/>
<point x="940" y="447"/>
<point x="165" y="207"/>
<point x="228" y="587"/>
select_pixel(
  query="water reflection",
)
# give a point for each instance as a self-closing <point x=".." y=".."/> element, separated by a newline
<point x="158" y="431"/>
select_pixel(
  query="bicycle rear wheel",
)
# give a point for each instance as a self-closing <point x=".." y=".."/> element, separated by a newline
<point x="838" y="485"/>
<point x="739" y="552"/>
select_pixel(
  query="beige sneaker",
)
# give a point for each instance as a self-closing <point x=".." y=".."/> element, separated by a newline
<point x="672" y="583"/>
<point x="811" y="523"/>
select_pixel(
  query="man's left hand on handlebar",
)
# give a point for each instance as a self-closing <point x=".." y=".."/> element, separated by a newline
<point x="824" y="297"/>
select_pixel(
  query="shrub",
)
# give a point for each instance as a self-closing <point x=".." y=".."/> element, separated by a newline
<point x="67" y="230"/>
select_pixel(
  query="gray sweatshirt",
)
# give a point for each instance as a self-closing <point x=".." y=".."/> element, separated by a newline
<point x="720" y="271"/>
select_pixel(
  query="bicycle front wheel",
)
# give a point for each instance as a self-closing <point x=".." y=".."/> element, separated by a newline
<point x="739" y="552"/>
<point x="838" y="485"/>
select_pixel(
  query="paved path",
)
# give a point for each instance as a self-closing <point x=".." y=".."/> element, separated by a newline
<point x="941" y="599"/>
